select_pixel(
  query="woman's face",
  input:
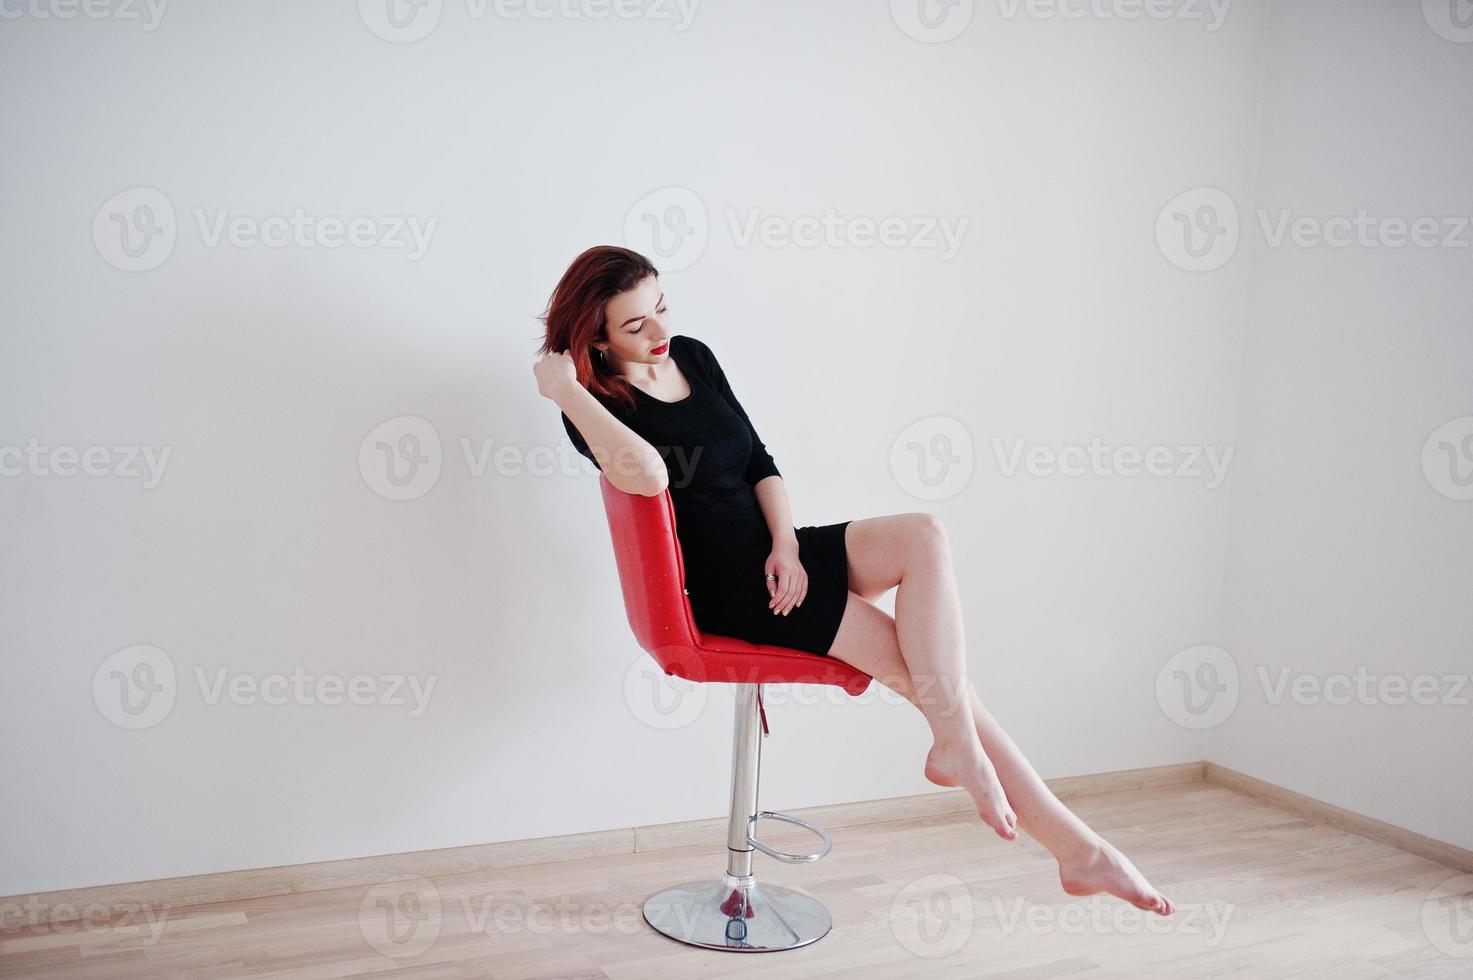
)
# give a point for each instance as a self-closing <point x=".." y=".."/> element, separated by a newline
<point x="636" y="326"/>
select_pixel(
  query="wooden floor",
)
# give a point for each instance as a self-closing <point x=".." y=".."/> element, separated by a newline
<point x="1261" y="893"/>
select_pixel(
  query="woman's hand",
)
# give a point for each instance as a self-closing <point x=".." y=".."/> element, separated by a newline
<point x="554" y="373"/>
<point x="791" y="584"/>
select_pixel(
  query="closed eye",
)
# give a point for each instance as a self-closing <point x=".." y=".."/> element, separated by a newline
<point x="641" y="322"/>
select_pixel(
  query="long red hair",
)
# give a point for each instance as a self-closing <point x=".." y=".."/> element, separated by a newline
<point x="575" y="314"/>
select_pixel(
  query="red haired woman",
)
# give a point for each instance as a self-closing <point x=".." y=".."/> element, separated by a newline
<point x="653" y="409"/>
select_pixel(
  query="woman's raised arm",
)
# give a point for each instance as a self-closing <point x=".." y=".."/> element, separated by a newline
<point x="630" y="463"/>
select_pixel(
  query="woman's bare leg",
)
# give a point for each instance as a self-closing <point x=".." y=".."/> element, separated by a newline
<point x="1087" y="862"/>
<point x="911" y="550"/>
<point x="869" y="640"/>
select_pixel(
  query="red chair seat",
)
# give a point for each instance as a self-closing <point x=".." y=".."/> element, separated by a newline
<point x="652" y="574"/>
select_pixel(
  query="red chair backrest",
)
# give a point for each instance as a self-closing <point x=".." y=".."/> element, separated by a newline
<point x="651" y="570"/>
<point x="652" y="577"/>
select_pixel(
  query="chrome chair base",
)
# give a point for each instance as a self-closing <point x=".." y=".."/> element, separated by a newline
<point x="735" y="916"/>
<point x="736" y="913"/>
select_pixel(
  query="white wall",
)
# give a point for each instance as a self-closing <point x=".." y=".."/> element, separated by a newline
<point x="1344" y="556"/>
<point x="265" y="550"/>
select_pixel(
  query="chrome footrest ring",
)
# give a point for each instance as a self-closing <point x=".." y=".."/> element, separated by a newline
<point x="773" y="852"/>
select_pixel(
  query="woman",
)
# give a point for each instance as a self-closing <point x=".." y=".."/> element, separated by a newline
<point x="653" y="410"/>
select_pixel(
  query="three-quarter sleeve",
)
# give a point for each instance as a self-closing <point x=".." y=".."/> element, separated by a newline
<point x="579" y="443"/>
<point x="760" y="464"/>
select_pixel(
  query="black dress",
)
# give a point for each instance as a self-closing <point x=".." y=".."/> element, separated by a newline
<point x="715" y="458"/>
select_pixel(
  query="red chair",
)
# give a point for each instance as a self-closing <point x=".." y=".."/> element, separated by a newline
<point x="734" y="913"/>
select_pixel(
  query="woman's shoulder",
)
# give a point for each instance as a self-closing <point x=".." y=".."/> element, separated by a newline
<point x="695" y="349"/>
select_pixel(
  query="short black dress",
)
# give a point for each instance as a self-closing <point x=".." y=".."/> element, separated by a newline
<point x="715" y="458"/>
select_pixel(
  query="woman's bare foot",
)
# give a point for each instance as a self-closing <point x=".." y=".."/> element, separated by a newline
<point x="1099" y="867"/>
<point x="974" y="773"/>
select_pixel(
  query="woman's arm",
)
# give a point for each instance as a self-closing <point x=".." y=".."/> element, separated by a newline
<point x="759" y="465"/>
<point x="791" y="584"/>
<point x="630" y="463"/>
<point x="772" y="495"/>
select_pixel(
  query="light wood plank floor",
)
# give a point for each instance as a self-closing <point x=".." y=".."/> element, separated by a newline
<point x="1261" y="893"/>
